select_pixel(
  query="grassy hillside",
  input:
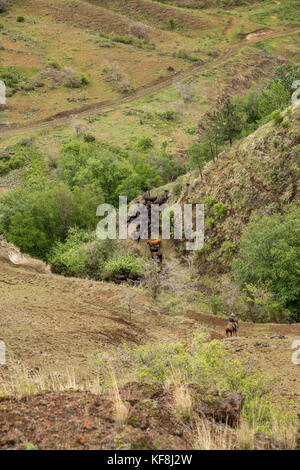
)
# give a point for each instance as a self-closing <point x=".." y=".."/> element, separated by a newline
<point x="110" y="98"/>
<point x="109" y="50"/>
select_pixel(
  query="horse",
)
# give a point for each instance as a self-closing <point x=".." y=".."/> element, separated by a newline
<point x="154" y="242"/>
<point x="231" y="329"/>
<point x="155" y="246"/>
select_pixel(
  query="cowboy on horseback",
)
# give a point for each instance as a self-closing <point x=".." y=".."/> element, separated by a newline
<point x="232" y="327"/>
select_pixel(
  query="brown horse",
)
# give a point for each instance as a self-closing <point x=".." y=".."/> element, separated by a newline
<point x="230" y="329"/>
<point x="154" y="242"/>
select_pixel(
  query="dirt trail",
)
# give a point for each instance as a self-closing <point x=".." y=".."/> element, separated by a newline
<point x="67" y="116"/>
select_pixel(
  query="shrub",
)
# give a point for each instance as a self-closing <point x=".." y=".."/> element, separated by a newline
<point x="13" y="160"/>
<point x="210" y="201"/>
<point x="285" y="123"/>
<point x="81" y="255"/>
<point x="20" y="19"/>
<point x="273" y="97"/>
<point x="97" y="253"/>
<point x="123" y="39"/>
<point x="54" y="64"/>
<point x="140" y="31"/>
<point x="69" y="258"/>
<point x="220" y="210"/>
<point x="177" y="188"/>
<point x="12" y="78"/>
<point x="84" y="80"/>
<point x="183" y="53"/>
<point x="144" y="143"/>
<point x="18" y="156"/>
<point x="286" y="74"/>
<point x="112" y="73"/>
<point x="171" y="22"/>
<point x="122" y="265"/>
<point x="168" y="115"/>
<point x="210" y="222"/>
<point x="89" y="138"/>
<point x="191" y="130"/>
<point x="72" y="79"/>
<point x="228" y="248"/>
<point x="198" y="155"/>
<point x="276" y="117"/>
<point x="65" y="76"/>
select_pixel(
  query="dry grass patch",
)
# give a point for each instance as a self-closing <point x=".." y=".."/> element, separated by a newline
<point x="121" y="411"/>
<point x="210" y="436"/>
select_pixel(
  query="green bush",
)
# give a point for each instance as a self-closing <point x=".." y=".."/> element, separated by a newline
<point x="54" y="64"/>
<point x="81" y="255"/>
<point x="286" y="74"/>
<point x="171" y="23"/>
<point x="89" y="138"/>
<point x="16" y="157"/>
<point x="12" y="78"/>
<point x="270" y="257"/>
<point x="35" y="218"/>
<point x="144" y="143"/>
<point x="210" y="201"/>
<point x="210" y="222"/>
<point x="122" y="265"/>
<point x="20" y="19"/>
<point x="277" y="117"/>
<point x="228" y="248"/>
<point x="84" y="80"/>
<point x="285" y="123"/>
<point x="191" y="130"/>
<point x="273" y="97"/>
<point x="177" y="188"/>
<point x="263" y="306"/>
<point x="220" y="210"/>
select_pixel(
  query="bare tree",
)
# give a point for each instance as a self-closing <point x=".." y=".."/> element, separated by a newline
<point x="140" y="31"/>
<point x="129" y="301"/>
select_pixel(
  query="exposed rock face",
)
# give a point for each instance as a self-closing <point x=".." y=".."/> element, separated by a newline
<point x="263" y="442"/>
<point x="228" y="409"/>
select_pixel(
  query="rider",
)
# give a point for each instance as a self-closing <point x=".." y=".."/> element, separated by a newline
<point x="234" y="321"/>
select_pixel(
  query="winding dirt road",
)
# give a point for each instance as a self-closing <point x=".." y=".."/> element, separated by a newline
<point x="145" y="90"/>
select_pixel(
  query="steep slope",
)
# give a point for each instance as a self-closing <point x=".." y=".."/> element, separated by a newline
<point x="258" y="174"/>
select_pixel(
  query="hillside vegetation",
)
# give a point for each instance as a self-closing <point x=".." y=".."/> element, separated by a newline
<point x="107" y="98"/>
